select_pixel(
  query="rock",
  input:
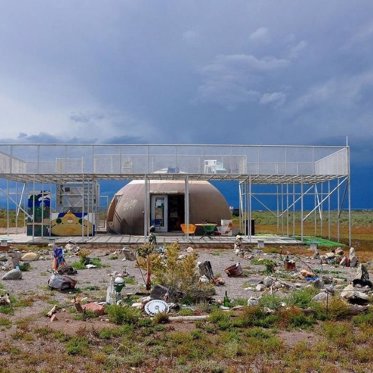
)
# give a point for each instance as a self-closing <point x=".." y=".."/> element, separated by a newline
<point x="317" y="283"/>
<point x="205" y="269"/>
<point x="128" y="254"/>
<point x="159" y="292"/>
<point x="204" y="279"/>
<point x="137" y="305"/>
<point x="52" y="311"/>
<point x="3" y="258"/>
<point x="260" y="287"/>
<point x="252" y="301"/>
<point x="362" y="273"/>
<point x="14" y="274"/>
<point x="189" y="250"/>
<point x="277" y="285"/>
<point x="343" y="262"/>
<point x="352" y="257"/>
<point x="268" y="281"/>
<point x="15" y="257"/>
<point x="362" y="277"/>
<point x="321" y="297"/>
<point x="97" y="309"/>
<point x="354" y="296"/>
<point x="327" y="279"/>
<point x="54" y="318"/>
<point x="4" y="300"/>
<point x="29" y="257"/>
<point x="339" y="251"/>
<point x="61" y="282"/>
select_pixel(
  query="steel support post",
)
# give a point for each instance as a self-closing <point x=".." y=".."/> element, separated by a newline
<point x="146" y="207"/>
<point x="186" y="205"/>
<point x="249" y="201"/>
<point x="301" y="211"/>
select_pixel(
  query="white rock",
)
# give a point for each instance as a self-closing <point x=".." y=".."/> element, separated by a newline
<point x="14" y="274"/>
<point x="259" y="287"/>
<point x="252" y="301"/>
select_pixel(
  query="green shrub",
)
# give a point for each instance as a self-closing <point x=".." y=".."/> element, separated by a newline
<point x="271" y="301"/>
<point x="77" y="346"/>
<point x="302" y="321"/>
<point x="161" y="318"/>
<point x="123" y="314"/>
<point x="255" y="316"/>
<point x="364" y="319"/>
<point x="302" y="298"/>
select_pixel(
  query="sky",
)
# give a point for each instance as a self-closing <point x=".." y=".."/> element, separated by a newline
<point x="185" y="71"/>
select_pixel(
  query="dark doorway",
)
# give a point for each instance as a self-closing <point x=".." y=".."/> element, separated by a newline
<point x="175" y="211"/>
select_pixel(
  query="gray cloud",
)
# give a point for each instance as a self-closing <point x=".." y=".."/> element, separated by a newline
<point x="260" y="35"/>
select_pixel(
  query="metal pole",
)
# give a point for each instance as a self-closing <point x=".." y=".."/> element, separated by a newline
<point x="146" y="206"/>
<point x="315" y="215"/>
<point x="338" y="197"/>
<point x="321" y="209"/>
<point x="287" y="206"/>
<point x="7" y="207"/>
<point x="249" y="225"/>
<point x="349" y="197"/>
<point x="186" y="205"/>
<point x="277" y="209"/>
<point x="329" y="235"/>
<point x="301" y="213"/>
<point x="293" y="209"/>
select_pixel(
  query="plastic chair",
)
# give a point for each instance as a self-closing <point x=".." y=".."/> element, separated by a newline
<point x="191" y="230"/>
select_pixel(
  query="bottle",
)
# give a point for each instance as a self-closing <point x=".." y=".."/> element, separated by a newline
<point x="226" y="300"/>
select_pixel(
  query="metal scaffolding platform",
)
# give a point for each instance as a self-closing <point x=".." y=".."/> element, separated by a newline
<point x="296" y="172"/>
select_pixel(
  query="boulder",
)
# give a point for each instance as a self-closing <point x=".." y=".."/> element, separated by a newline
<point x="60" y="282"/>
<point x="268" y="281"/>
<point x="354" y="296"/>
<point x="29" y="257"/>
<point x="352" y="258"/>
<point x="14" y="274"/>
<point x="95" y="308"/>
<point x="321" y="297"/>
<point x="362" y="277"/>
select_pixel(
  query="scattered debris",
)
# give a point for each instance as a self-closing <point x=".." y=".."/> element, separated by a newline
<point x="156" y="306"/>
<point x="61" y="282"/>
<point x="128" y="254"/>
<point x="205" y="269"/>
<point x="234" y="270"/>
<point x="52" y="311"/>
<point x="5" y="300"/>
<point x="58" y="258"/>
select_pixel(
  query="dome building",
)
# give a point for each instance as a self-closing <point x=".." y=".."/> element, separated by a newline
<point x="167" y="206"/>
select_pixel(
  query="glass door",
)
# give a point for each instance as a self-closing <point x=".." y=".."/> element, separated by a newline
<point x="159" y="212"/>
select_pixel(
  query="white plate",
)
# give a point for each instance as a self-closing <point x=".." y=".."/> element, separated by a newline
<point x="155" y="306"/>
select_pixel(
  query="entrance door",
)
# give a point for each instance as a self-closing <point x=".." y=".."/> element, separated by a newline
<point x="159" y="212"/>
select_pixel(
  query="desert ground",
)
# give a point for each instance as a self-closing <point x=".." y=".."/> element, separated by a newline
<point x="271" y="323"/>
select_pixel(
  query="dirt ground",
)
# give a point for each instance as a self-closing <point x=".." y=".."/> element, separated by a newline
<point x="92" y="283"/>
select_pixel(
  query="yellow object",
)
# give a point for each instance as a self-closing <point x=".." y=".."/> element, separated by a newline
<point x="192" y="228"/>
<point x="71" y="225"/>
